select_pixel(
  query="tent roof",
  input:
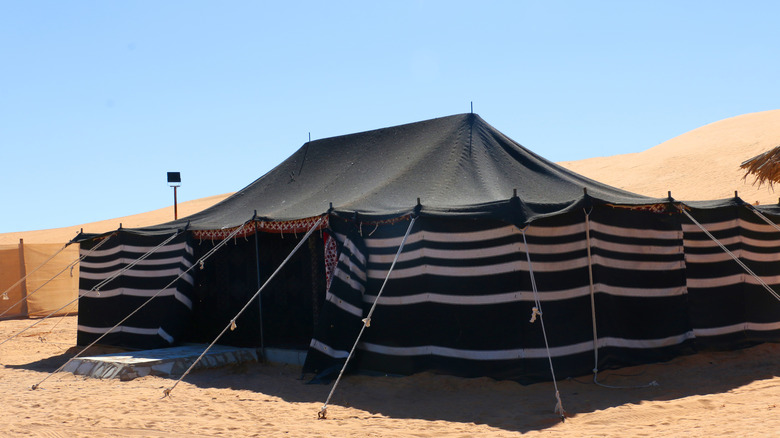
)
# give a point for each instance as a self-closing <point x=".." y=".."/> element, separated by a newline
<point x="455" y="165"/>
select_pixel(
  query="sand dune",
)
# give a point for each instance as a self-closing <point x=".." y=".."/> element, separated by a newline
<point x="62" y="235"/>
<point x="711" y="394"/>
<point x="702" y="164"/>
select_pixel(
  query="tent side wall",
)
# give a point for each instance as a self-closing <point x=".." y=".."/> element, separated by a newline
<point x="290" y="302"/>
<point x="104" y="302"/>
<point x="13" y="270"/>
<point x="460" y="298"/>
<point x="729" y="307"/>
<point x="49" y="284"/>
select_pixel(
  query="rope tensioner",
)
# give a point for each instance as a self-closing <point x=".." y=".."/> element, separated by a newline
<point x="538" y="312"/>
<point x="366" y="321"/>
<point x="534" y="313"/>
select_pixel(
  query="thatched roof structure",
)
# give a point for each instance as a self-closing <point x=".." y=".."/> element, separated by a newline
<point x="764" y="167"/>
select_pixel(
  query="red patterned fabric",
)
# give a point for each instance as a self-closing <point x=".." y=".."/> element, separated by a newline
<point x="296" y="226"/>
<point x="331" y="257"/>
<point x="654" y="208"/>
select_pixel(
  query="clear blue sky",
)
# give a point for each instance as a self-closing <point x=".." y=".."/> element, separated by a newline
<point x="99" y="99"/>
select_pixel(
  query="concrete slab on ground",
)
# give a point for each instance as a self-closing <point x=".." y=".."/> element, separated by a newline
<point x="160" y="362"/>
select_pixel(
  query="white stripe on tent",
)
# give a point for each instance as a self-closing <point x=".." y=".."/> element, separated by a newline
<point x="110" y="293"/>
<point x="119" y="329"/>
<point x="473" y="271"/>
<point x="475" y="236"/>
<point x="708" y="243"/>
<point x="566" y="230"/>
<point x="141" y="249"/>
<point x="514" y="248"/>
<point x="635" y="249"/>
<point x="523" y="296"/>
<point x="711" y="226"/>
<point x="736" y="328"/>
<point x="353" y="269"/>
<point x="723" y="256"/>
<point x="524" y="353"/>
<point x="328" y="350"/>
<point x="127" y="261"/>
<point x="642" y="233"/>
<point x="346" y="278"/>
<point x="496" y="233"/>
<point x="771" y="243"/>
<point x="350" y="245"/>
<point x="163" y="334"/>
<point x="432" y="236"/>
<point x="449" y="254"/>
<point x="343" y="305"/>
<point x="729" y="280"/>
<point x="137" y="273"/>
<point x="733" y="223"/>
<point x="761" y="243"/>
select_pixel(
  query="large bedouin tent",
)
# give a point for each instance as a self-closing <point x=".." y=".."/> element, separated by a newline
<point x="499" y="237"/>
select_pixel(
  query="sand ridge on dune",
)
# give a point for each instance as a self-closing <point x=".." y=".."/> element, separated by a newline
<point x="700" y="165"/>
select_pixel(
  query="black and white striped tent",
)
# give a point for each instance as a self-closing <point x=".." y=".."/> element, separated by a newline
<point x="501" y="241"/>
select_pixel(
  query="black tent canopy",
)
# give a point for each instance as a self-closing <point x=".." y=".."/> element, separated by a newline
<point x="456" y="164"/>
<point x="623" y="278"/>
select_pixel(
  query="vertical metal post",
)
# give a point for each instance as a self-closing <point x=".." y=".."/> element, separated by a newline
<point x="175" y="208"/>
<point x="23" y="274"/>
<point x="259" y="285"/>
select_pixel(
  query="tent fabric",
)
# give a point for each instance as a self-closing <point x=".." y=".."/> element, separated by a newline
<point x="53" y="288"/>
<point x="454" y="165"/>
<point x="48" y="285"/>
<point x="729" y="308"/>
<point x="162" y="322"/>
<point x="13" y="268"/>
<point x="460" y="297"/>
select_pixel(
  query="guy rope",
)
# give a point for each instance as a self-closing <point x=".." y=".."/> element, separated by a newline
<point x="322" y="414"/>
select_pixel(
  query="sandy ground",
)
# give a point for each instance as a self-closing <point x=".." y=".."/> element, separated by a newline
<point x="709" y="394"/>
<point x="700" y="165"/>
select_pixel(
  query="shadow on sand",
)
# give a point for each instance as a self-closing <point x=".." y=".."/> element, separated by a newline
<point x="504" y="404"/>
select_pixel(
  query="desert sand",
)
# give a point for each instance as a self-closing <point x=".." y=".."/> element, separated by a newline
<point x="710" y="394"/>
<point x="702" y="164"/>
<point x="734" y="393"/>
<point x="64" y="234"/>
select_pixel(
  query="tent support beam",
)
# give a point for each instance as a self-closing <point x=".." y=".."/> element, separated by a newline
<point x="592" y="298"/>
<point x="259" y="285"/>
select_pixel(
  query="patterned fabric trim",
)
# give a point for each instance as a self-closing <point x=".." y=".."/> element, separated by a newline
<point x="331" y="258"/>
<point x="296" y="226"/>
<point x="653" y="208"/>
